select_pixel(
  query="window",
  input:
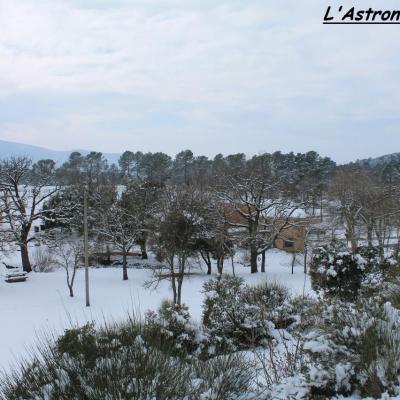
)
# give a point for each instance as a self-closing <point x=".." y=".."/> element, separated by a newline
<point x="288" y="243"/>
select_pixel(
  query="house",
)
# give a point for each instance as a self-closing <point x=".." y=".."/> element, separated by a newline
<point x="291" y="233"/>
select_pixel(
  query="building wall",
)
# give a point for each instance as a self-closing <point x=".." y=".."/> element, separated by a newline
<point x="293" y="236"/>
<point x="296" y="235"/>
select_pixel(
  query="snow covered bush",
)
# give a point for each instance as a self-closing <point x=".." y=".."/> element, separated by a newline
<point x="273" y="300"/>
<point x="336" y="271"/>
<point x="229" y="377"/>
<point x="382" y="282"/>
<point x="172" y="325"/>
<point x="121" y="362"/>
<point x="238" y="316"/>
<point x="355" y="348"/>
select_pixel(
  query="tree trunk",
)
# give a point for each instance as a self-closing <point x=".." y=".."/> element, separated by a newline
<point x="263" y="261"/>
<point x="179" y="295"/>
<point x="124" y="266"/>
<point x="173" y="279"/>
<point x="143" y="249"/>
<point x="293" y="261"/>
<point x="207" y="260"/>
<point x="305" y="259"/>
<point x="233" y="267"/>
<point x="220" y="265"/>
<point x="71" y="282"/>
<point x="253" y="260"/>
<point x="350" y="236"/>
<point x="321" y="209"/>
<point x="108" y="255"/>
<point x="173" y="284"/>
<point x="370" y="229"/>
<point x="26" y="264"/>
<point x="180" y="279"/>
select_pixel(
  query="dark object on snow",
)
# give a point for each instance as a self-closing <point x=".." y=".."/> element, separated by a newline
<point x="9" y="266"/>
<point x="16" y="277"/>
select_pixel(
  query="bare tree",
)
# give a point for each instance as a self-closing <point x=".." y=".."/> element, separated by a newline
<point x="69" y="257"/>
<point x="344" y="202"/>
<point x="367" y="207"/>
<point x="256" y="204"/>
<point x="23" y="190"/>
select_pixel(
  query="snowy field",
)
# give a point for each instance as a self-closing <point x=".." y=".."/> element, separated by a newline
<point x="42" y="305"/>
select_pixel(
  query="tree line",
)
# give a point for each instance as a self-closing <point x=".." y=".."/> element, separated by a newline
<point x="195" y="205"/>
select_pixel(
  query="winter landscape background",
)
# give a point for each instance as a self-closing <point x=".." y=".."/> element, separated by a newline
<point x="199" y="200"/>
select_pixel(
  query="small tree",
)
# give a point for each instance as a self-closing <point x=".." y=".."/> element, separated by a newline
<point x="215" y="241"/>
<point x="181" y="224"/>
<point x="120" y="227"/>
<point x="69" y="257"/>
<point x="141" y="201"/>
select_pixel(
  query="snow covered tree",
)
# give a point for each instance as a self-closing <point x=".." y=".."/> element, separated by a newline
<point x="257" y="204"/>
<point x="119" y="226"/>
<point x="141" y="200"/>
<point x="215" y="241"/>
<point x="366" y="206"/>
<point x="344" y="203"/>
<point x="23" y="191"/>
<point x="181" y="224"/>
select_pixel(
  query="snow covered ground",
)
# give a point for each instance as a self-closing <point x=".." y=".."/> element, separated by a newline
<point x="41" y="305"/>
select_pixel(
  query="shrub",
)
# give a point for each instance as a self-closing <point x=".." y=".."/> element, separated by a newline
<point x="356" y="347"/>
<point x="239" y="316"/>
<point x="273" y="301"/>
<point x="172" y="325"/>
<point x="228" y="377"/>
<point x="382" y="283"/>
<point x="43" y="260"/>
<point x="337" y="272"/>
<point x="120" y="362"/>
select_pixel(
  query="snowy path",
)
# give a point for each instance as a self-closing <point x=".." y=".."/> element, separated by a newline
<point x="42" y="303"/>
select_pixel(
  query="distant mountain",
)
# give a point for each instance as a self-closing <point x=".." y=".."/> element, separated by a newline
<point x="373" y="162"/>
<point x="8" y="149"/>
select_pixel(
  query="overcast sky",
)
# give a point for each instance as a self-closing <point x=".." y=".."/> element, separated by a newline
<point x="214" y="76"/>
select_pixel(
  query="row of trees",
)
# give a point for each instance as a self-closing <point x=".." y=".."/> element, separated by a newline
<point x="263" y="185"/>
<point x="367" y="206"/>
<point x="194" y="205"/>
<point x="186" y="168"/>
